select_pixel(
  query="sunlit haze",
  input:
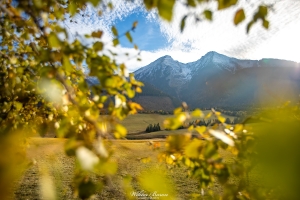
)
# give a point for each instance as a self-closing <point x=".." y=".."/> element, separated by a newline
<point x="156" y="37"/>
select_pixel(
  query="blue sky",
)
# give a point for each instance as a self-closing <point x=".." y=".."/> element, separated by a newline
<point x="156" y="37"/>
<point x="147" y="35"/>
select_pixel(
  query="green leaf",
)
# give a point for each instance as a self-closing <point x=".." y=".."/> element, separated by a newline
<point x="72" y="8"/>
<point x="182" y="24"/>
<point x="94" y="2"/>
<point x="110" y="5"/>
<point x="115" y="42"/>
<point x="208" y="14"/>
<point x="165" y="9"/>
<point x="114" y="30"/>
<point x="37" y="3"/>
<point x="250" y="24"/>
<point x="222" y="4"/>
<point x="150" y="4"/>
<point x="239" y="16"/>
<point x="191" y="3"/>
<point x="53" y="41"/>
<point x="128" y="36"/>
<point x="223" y="176"/>
<point x="263" y="11"/>
<point x="97" y="34"/>
<point x="18" y="105"/>
<point x="87" y="189"/>
<point x="70" y="147"/>
<point x="98" y="46"/>
<point x="266" y="24"/>
<point x="67" y="64"/>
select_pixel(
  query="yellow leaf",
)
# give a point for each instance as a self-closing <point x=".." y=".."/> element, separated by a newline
<point x="208" y="115"/>
<point x="138" y="90"/>
<point x="134" y="25"/>
<point x="154" y="182"/>
<point x="200" y="129"/>
<point x="136" y="106"/>
<point x="146" y="160"/>
<point x="109" y="167"/>
<point x="192" y="150"/>
<point x="238" y="128"/>
<point x="121" y="131"/>
<point x="177" y="111"/>
<point x="239" y="16"/>
<point x="221" y="119"/>
<point x="177" y="142"/>
<point x="217" y="113"/>
<point x="197" y="113"/>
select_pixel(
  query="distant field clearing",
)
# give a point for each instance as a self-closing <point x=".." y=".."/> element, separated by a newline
<point x="139" y="122"/>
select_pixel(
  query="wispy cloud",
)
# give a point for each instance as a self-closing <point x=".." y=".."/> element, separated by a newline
<point x="280" y="41"/>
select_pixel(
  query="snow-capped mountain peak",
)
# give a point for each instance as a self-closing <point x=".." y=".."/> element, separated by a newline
<point x="176" y="74"/>
<point x="216" y="80"/>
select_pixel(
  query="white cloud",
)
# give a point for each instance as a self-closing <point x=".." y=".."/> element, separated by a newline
<point x="280" y="41"/>
<point x="222" y="36"/>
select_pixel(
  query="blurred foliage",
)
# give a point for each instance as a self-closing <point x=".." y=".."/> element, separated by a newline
<point x="44" y="89"/>
<point x="268" y="149"/>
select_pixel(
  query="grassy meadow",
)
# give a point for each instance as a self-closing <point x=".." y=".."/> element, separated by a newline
<point x="48" y="155"/>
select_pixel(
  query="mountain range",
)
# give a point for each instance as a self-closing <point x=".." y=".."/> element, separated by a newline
<point x="216" y="80"/>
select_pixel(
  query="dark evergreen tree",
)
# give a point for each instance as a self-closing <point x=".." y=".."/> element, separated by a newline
<point x="228" y="121"/>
